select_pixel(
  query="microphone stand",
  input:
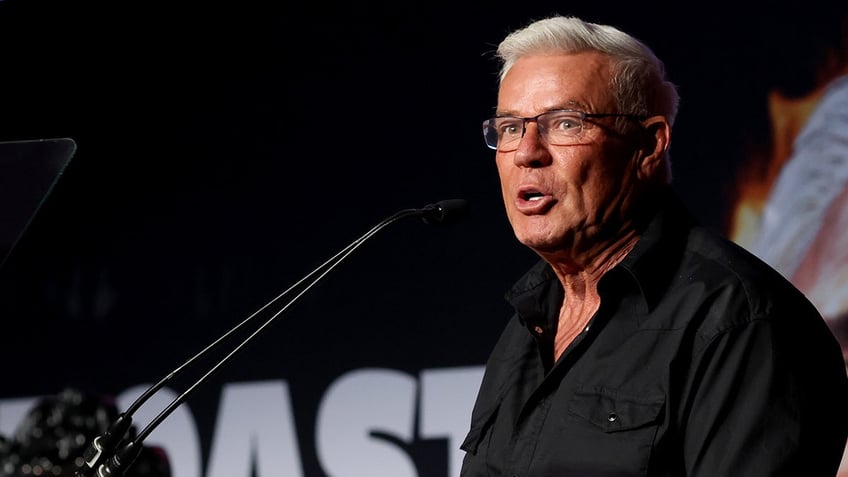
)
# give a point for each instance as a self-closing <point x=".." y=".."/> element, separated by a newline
<point x="110" y="454"/>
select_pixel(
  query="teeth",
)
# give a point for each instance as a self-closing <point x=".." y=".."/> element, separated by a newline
<point x="535" y="198"/>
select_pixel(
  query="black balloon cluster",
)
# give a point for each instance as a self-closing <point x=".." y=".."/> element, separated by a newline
<point x="53" y="436"/>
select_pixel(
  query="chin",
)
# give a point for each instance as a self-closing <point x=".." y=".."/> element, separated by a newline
<point x="538" y="243"/>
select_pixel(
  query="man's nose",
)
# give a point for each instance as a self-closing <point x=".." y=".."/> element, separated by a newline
<point x="532" y="150"/>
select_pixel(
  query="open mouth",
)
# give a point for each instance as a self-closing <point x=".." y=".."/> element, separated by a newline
<point x="531" y="195"/>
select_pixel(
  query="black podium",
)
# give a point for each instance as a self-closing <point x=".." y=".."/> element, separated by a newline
<point x="28" y="171"/>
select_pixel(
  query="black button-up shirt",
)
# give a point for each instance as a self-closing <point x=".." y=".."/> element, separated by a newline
<point x="701" y="361"/>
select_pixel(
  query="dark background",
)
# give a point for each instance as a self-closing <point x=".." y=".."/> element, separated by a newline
<point x="224" y="150"/>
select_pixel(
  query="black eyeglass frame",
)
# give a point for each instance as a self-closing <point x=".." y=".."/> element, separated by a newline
<point x="488" y="125"/>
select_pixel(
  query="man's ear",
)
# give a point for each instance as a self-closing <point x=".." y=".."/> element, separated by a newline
<point x="656" y="141"/>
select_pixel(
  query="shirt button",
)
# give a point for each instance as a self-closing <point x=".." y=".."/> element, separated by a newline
<point x="538" y="329"/>
<point x="612" y="417"/>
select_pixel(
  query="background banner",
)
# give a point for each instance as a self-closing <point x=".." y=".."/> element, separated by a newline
<point x="224" y="151"/>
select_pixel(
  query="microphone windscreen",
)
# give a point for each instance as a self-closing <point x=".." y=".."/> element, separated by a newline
<point x="445" y="211"/>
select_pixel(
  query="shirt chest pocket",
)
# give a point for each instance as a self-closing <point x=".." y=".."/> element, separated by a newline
<point x="614" y="411"/>
<point x="481" y="421"/>
<point x="608" y="432"/>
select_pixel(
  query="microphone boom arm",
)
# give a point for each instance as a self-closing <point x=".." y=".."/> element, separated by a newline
<point x="97" y="458"/>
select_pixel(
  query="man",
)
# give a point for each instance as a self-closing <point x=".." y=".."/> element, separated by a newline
<point x="642" y="344"/>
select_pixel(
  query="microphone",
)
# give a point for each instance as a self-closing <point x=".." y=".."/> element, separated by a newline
<point x="110" y="454"/>
<point x="445" y="211"/>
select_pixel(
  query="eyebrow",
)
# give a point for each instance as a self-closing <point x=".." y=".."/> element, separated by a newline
<point x="570" y="104"/>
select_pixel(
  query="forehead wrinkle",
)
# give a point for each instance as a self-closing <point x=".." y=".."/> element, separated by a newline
<point x="570" y="104"/>
<point x="539" y="83"/>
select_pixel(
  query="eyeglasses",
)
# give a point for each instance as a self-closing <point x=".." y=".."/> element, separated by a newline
<point x="559" y="127"/>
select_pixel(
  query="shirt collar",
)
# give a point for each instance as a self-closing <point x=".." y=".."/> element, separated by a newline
<point x="656" y="255"/>
<point x="537" y="295"/>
